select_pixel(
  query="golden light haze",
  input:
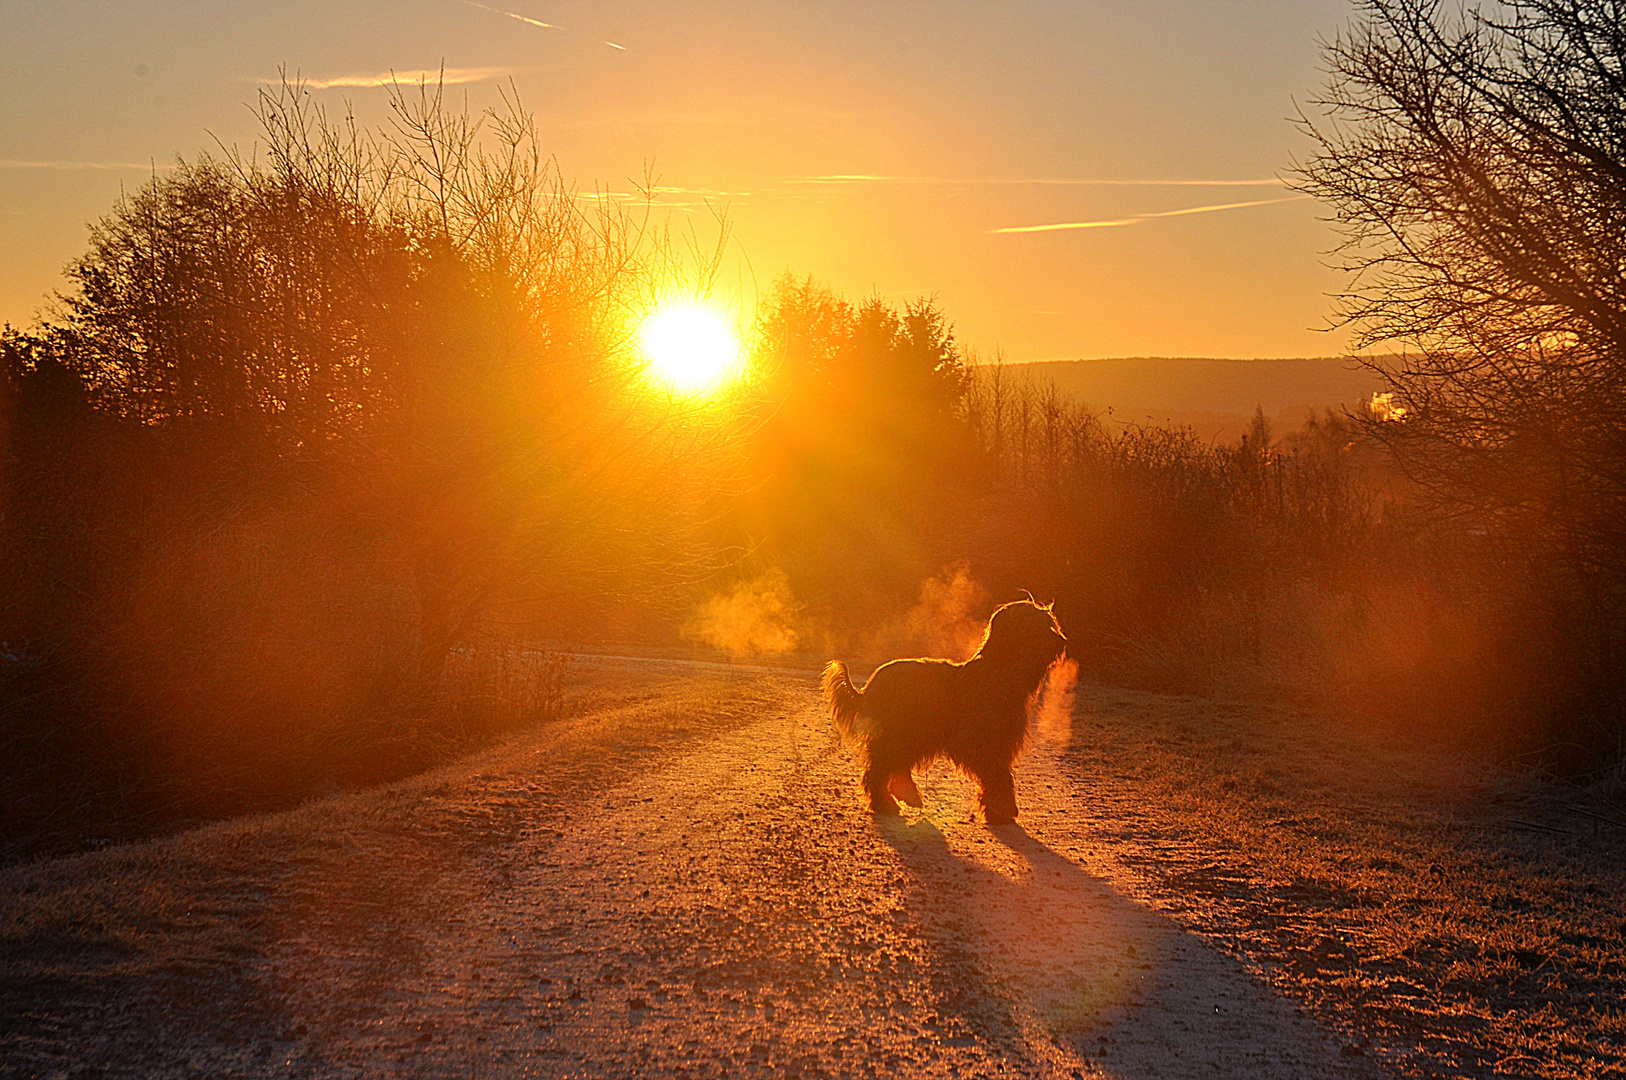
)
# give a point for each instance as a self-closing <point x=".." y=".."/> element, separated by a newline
<point x="893" y="149"/>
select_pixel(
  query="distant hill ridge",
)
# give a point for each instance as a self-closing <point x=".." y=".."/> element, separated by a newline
<point x="1214" y="396"/>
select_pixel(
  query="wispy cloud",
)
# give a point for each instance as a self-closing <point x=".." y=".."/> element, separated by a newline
<point x="665" y="197"/>
<point x="448" y="76"/>
<point x="1138" y="218"/>
<point x="510" y="14"/>
<point x="144" y="166"/>
<point x="1033" y="181"/>
<point x="708" y="193"/>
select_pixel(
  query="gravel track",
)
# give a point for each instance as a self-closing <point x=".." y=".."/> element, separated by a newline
<point x="681" y="882"/>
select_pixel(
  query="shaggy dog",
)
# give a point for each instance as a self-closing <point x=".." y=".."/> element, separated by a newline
<point x="973" y="712"/>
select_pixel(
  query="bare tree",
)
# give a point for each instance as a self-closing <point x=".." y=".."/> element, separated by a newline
<point x="1476" y="160"/>
<point x="436" y="322"/>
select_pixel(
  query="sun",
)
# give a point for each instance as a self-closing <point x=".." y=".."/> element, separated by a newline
<point x="691" y="349"/>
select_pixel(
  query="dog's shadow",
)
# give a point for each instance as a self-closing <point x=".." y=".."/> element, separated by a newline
<point x="1035" y="956"/>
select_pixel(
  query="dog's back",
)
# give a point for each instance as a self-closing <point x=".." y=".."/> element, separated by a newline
<point x="910" y="694"/>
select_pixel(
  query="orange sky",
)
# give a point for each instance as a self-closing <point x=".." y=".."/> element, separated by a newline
<point x="881" y="147"/>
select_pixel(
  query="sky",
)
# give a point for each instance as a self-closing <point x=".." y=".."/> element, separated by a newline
<point x="1069" y="180"/>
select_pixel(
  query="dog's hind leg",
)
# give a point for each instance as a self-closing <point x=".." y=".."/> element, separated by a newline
<point x="998" y="795"/>
<point x="880" y="800"/>
<point x="902" y="786"/>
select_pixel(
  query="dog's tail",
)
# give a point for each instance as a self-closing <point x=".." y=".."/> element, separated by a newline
<point x="844" y="699"/>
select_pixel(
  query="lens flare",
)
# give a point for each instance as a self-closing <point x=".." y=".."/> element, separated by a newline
<point x="690" y="348"/>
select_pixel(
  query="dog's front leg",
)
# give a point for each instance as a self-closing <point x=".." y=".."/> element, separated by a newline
<point x="880" y="800"/>
<point x="998" y="795"/>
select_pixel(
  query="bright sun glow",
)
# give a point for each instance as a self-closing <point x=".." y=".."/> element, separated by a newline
<point x="691" y="348"/>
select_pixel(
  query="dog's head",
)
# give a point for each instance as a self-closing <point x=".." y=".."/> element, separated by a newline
<point x="1024" y="634"/>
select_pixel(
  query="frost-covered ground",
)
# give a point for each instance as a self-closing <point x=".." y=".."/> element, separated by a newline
<point x="1446" y="916"/>
<point x="682" y="881"/>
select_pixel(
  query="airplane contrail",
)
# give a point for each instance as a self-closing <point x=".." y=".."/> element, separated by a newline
<point x="872" y="178"/>
<point x="96" y="165"/>
<point x="1222" y="206"/>
<point x="510" y="14"/>
<point x="1138" y="218"/>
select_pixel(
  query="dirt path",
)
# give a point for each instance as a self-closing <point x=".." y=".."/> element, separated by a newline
<point x="682" y="883"/>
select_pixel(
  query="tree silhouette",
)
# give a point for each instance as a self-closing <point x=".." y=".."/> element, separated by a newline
<point x="1477" y="163"/>
<point x="427" y="326"/>
<point x="863" y="458"/>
